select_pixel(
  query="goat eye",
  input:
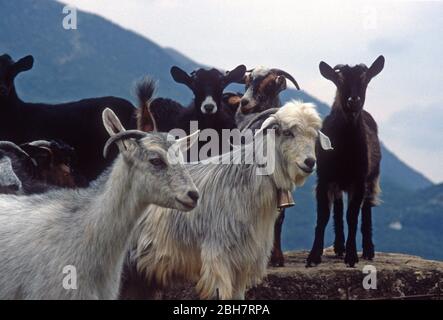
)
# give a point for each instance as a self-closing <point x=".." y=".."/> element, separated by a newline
<point x="157" y="162"/>
<point x="288" y="133"/>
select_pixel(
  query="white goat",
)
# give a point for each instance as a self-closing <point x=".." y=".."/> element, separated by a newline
<point x="89" y="229"/>
<point x="226" y="241"/>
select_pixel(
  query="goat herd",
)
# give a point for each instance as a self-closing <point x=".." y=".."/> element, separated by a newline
<point x="100" y="185"/>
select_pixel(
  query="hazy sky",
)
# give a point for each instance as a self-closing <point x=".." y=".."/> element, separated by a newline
<point x="406" y="98"/>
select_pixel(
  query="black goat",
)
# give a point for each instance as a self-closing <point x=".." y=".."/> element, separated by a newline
<point x="37" y="167"/>
<point x="353" y="166"/>
<point x="76" y="123"/>
<point x="206" y="108"/>
<point x="57" y="163"/>
<point x="262" y="89"/>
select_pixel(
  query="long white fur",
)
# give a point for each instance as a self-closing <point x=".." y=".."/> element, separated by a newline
<point x="226" y="241"/>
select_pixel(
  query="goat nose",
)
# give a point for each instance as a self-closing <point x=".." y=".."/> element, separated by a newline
<point x="310" y="162"/>
<point x="193" y="195"/>
<point x="209" y="107"/>
<point x="244" y="102"/>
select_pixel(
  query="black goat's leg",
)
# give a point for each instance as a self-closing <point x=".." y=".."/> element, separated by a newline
<point x="339" y="243"/>
<point x="323" y="211"/>
<point x="277" y="258"/>
<point x="355" y="201"/>
<point x="366" y="231"/>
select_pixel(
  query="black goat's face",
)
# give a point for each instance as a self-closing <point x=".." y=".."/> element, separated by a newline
<point x="208" y="90"/>
<point x="262" y="87"/>
<point x="351" y="83"/>
<point x="352" y="88"/>
<point x="208" y="86"/>
<point x="9" y="70"/>
<point x="55" y="161"/>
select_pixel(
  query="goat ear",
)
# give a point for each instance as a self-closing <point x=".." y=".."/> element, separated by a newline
<point x="181" y="76"/>
<point x="328" y="72"/>
<point x="246" y="79"/>
<point x="114" y="127"/>
<point x="325" y="143"/>
<point x="376" y="67"/>
<point x="112" y="122"/>
<point x="236" y="75"/>
<point x="23" y="64"/>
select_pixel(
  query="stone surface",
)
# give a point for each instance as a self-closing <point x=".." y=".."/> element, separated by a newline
<point x="398" y="276"/>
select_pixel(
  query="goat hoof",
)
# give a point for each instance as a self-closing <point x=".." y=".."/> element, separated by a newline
<point x="368" y="256"/>
<point x="339" y="251"/>
<point x="313" y="261"/>
<point x="277" y="264"/>
<point x="351" y="260"/>
<point x="277" y="261"/>
<point x="368" y="253"/>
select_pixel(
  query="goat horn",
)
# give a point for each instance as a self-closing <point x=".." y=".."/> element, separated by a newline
<point x="9" y="146"/>
<point x="287" y="76"/>
<point x="39" y="143"/>
<point x="257" y="121"/>
<point x="129" y="134"/>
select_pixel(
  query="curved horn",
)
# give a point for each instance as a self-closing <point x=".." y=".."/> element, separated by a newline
<point x="258" y="120"/>
<point x="9" y="146"/>
<point x="129" y="134"/>
<point x="39" y="143"/>
<point x="287" y="76"/>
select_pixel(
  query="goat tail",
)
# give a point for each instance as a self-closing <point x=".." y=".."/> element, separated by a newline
<point x="144" y="90"/>
<point x="373" y="193"/>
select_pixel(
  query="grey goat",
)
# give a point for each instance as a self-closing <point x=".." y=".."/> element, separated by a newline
<point x="87" y="231"/>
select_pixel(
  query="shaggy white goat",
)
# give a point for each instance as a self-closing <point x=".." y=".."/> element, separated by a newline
<point x="226" y="241"/>
<point x="89" y="229"/>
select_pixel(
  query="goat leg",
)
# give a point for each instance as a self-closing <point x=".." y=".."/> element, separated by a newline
<point x="366" y="230"/>
<point x="323" y="212"/>
<point x="277" y="258"/>
<point x="355" y="201"/>
<point x="339" y="243"/>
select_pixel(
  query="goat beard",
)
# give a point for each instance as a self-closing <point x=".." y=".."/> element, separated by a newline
<point x="299" y="177"/>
